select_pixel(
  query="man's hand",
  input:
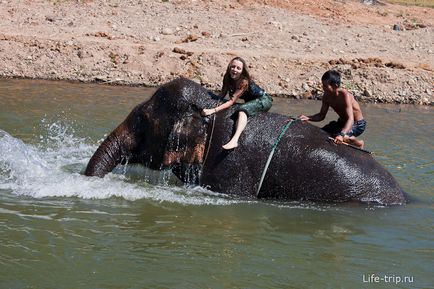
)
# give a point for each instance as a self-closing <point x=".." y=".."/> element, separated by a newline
<point x="303" y="117"/>
<point x="339" y="139"/>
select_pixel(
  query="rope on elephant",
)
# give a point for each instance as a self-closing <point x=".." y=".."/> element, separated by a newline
<point x="264" y="172"/>
<point x="209" y="142"/>
<point x="210" y="137"/>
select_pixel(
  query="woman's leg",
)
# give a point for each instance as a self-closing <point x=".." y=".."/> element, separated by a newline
<point x="241" y="125"/>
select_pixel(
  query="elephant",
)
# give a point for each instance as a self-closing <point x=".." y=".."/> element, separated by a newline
<point x="169" y="132"/>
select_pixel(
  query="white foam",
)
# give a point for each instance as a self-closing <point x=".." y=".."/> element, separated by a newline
<point x="52" y="168"/>
<point x="44" y="217"/>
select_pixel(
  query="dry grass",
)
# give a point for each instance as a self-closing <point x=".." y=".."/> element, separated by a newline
<point x="424" y="3"/>
<point x="425" y="66"/>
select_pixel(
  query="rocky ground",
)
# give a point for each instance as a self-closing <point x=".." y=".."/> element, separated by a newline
<point x="385" y="52"/>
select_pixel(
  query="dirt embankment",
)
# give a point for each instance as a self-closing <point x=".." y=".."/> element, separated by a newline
<point x="287" y="44"/>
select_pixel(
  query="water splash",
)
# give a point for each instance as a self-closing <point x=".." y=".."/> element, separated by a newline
<point x="60" y="144"/>
<point x="53" y="166"/>
<point x="17" y="160"/>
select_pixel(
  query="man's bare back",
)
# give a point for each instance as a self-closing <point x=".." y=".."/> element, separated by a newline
<point x="339" y="104"/>
<point x="350" y="123"/>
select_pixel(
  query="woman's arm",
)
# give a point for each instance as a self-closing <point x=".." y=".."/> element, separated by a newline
<point x="227" y="104"/>
<point x="230" y="102"/>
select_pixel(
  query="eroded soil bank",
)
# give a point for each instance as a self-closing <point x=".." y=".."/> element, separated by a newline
<point x="385" y="52"/>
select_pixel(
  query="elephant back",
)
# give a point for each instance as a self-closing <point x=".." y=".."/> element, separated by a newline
<point x="305" y="164"/>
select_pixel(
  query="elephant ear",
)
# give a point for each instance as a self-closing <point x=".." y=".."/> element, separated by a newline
<point x="186" y="142"/>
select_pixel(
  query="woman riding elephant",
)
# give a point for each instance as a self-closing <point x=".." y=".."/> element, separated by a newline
<point x="238" y="83"/>
<point x="168" y="132"/>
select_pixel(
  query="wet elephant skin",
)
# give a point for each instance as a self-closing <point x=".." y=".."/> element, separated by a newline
<point x="168" y="132"/>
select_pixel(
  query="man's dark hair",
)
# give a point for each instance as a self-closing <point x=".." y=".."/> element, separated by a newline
<point x="333" y="77"/>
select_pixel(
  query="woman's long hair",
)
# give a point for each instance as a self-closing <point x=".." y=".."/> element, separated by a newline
<point x="227" y="80"/>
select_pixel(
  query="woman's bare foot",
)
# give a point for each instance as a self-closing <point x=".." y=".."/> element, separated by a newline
<point x="230" y="145"/>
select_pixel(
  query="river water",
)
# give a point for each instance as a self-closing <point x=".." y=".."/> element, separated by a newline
<point x="140" y="229"/>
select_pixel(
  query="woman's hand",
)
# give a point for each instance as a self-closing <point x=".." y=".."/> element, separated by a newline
<point x="206" y="112"/>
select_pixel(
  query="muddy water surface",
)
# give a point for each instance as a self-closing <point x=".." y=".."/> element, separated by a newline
<point x="140" y="229"/>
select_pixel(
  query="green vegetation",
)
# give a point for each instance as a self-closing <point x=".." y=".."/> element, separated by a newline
<point x="424" y="3"/>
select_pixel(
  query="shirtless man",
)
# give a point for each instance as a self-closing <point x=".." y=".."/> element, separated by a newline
<point x="350" y="123"/>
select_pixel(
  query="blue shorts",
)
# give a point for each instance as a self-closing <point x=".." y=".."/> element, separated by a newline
<point x="335" y="127"/>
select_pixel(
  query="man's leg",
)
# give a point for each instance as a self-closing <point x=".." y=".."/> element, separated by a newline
<point x="357" y="129"/>
<point x="352" y="140"/>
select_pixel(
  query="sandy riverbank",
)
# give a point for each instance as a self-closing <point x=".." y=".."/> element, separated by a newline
<point x="288" y="44"/>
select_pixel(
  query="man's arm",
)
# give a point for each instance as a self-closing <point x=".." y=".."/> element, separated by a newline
<point x="349" y="113"/>
<point x="350" y="119"/>
<point x="319" y="116"/>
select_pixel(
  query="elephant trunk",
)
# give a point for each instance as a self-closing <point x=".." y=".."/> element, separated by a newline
<point x="109" y="154"/>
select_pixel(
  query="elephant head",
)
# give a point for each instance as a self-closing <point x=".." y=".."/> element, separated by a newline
<point x="168" y="132"/>
<point x="165" y="132"/>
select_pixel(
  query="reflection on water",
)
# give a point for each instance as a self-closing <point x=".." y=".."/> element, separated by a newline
<point x="140" y="229"/>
